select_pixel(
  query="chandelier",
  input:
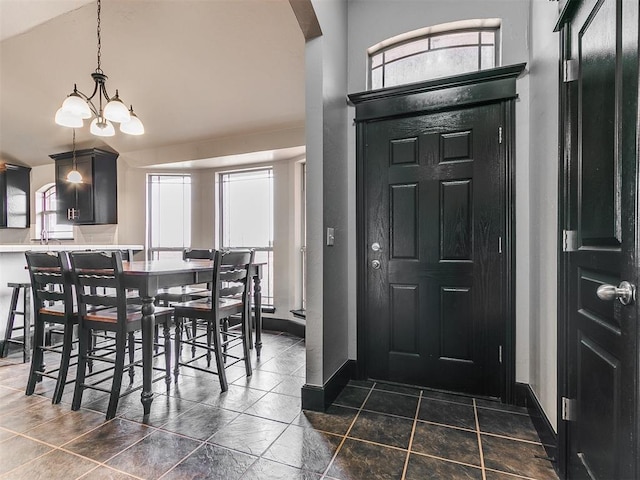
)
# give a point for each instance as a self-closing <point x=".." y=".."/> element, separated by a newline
<point x="78" y="106"/>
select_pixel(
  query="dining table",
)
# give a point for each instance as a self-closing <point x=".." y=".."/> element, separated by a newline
<point x="150" y="276"/>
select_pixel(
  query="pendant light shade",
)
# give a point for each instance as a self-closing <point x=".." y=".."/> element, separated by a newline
<point x="133" y="126"/>
<point x="74" y="175"/>
<point x="68" y="120"/>
<point x="101" y="127"/>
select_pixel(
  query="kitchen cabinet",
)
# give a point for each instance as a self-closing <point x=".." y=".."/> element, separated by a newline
<point x="15" y="195"/>
<point x="95" y="200"/>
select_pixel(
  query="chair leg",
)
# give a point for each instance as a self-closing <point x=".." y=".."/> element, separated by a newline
<point x="246" y="328"/>
<point x="156" y="338"/>
<point x="132" y="355"/>
<point x="67" y="343"/>
<point x="214" y="327"/>
<point x="177" y="347"/>
<point x="36" y="358"/>
<point x="117" y="375"/>
<point x="85" y="338"/>
<point x="26" y="319"/>
<point x="167" y="352"/>
<point x="225" y="329"/>
<point x="10" y="320"/>
<point x="209" y="336"/>
<point x="194" y="332"/>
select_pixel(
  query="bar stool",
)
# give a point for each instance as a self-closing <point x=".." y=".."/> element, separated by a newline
<point x="26" y="322"/>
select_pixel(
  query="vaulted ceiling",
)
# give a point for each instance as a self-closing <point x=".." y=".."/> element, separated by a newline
<point x="209" y="78"/>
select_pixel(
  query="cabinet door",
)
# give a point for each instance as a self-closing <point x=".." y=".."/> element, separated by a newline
<point x="65" y="191"/>
<point x="84" y="191"/>
<point x="3" y="199"/>
<point x="17" y="199"/>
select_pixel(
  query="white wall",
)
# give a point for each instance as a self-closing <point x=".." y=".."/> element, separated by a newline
<point x="543" y="231"/>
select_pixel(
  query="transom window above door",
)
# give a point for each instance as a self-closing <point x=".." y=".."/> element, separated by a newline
<point x="434" y="52"/>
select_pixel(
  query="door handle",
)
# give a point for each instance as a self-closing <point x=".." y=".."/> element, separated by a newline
<point x="625" y="292"/>
<point x="376" y="247"/>
<point x="375" y="264"/>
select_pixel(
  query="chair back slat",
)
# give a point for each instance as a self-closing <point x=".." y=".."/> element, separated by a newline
<point x="50" y="280"/>
<point x="197" y="254"/>
<point x="231" y="273"/>
<point x="98" y="281"/>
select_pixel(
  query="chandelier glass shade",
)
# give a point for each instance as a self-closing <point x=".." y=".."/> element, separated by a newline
<point x="78" y="107"/>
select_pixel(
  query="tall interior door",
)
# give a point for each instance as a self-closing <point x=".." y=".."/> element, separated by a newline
<point x="434" y="214"/>
<point x="600" y="410"/>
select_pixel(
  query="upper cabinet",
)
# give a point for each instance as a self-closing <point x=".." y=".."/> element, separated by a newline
<point x="95" y="200"/>
<point x="14" y="196"/>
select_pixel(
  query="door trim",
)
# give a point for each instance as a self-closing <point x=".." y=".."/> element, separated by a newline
<point x="450" y="93"/>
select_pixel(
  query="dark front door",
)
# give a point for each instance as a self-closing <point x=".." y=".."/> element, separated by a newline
<point x="601" y="151"/>
<point x="434" y="232"/>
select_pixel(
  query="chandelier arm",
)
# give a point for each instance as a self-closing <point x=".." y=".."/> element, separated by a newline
<point x="92" y="107"/>
<point x="103" y="88"/>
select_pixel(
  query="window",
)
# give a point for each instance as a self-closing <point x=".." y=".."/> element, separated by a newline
<point x="169" y="215"/>
<point x="433" y="52"/>
<point x="246" y="218"/>
<point x="47" y="226"/>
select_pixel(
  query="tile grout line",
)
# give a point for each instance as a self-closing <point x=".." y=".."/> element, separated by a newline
<point x="413" y="431"/>
<point x="475" y="413"/>
<point x="344" y="438"/>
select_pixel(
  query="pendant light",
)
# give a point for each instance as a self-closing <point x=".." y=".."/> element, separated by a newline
<point x="74" y="175"/>
<point x="78" y="107"/>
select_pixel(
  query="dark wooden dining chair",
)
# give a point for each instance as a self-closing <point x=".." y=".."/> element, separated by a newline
<point x="229" y="296"/>
<point x="53" y="306"/>
<point x="105" y="305"/>
<point x="184" y="293"/>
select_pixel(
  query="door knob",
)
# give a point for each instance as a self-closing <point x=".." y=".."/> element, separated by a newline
<point x="375" y="264"/>
<point x="625" y="292"/>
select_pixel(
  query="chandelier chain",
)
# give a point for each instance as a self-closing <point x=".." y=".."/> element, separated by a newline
<point x="99" y="70"/>
<point x="74" y="148"/>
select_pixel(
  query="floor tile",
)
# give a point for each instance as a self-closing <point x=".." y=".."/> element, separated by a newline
<point x="275" y="406"/>
<point x="105" y="473"/>
<point x="304" y="448"/>
<point x="391" y="387"/>
<point x="6" y="434"/>
<point x="109" y="439"/>
<point x="393" y="403"/>
<point x="493" y="475"/>
<point x="261" y="380"/>
<point x="514" y="425"/>
<point x="358" y="460"/>
<point x="19" y="450"/>
<point x="55" y="465"/>
<point x="200" y="422"/>
<point x="248" y="434"/>
<point x="449" y="397"/>
<point x="290" y="386"/>
<point x="336" y="419"/>
<point x="236" y="398"/>
<point x="352" y="396"/>
<point x="447" y="413"/>
<point x="211" y="462"/>
<point x="154" y="455"/>
<point x="421" y="467"/>
<point x="66" y="427"/>
<point x="447" y="443"/>
<point x="513" y="456"/>
<point x="381" y="428"/>
<point x="264" y="469"/>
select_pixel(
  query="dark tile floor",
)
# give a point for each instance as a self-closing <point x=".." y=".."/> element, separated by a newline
<point x="257" y="431"/>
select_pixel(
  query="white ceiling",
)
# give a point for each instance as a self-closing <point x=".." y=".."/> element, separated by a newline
<point x="209" y="78"/>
